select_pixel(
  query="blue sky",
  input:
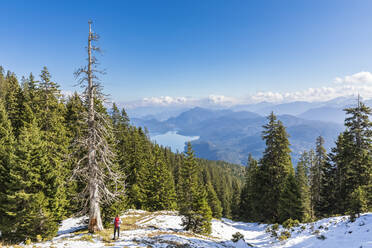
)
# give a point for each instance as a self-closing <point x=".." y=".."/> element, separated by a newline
<point x="191" y="48"/>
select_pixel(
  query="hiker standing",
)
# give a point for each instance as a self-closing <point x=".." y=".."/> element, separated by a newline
<point x="117" y="222"/>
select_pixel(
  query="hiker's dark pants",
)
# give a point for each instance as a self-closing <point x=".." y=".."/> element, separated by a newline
<point x="117" y="229"/>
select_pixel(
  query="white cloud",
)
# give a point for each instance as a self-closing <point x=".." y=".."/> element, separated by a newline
<point x="363" y="77"/>
<point x="358" y="83"/>
<point x="165" y="100"/>
<point x="220" y="99"/>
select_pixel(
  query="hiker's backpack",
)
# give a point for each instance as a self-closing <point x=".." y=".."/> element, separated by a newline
<point x="117" y="221"/>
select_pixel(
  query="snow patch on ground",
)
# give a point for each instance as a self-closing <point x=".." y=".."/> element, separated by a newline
<point x="72" y="225"/>
<point x="164" y="230"/>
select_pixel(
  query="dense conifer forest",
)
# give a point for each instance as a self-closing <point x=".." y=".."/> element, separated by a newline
<point x="39" y="129"/>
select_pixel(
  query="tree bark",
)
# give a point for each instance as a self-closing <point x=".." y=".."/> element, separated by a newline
<point x="95" y="221"/>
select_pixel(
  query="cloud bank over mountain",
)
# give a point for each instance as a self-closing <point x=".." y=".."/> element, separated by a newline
<point x="350" y="85"/>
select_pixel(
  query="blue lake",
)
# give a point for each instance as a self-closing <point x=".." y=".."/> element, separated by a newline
<point x="173" y="140"/>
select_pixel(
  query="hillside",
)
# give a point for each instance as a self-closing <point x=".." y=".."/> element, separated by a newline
<point x="163" y="229"/>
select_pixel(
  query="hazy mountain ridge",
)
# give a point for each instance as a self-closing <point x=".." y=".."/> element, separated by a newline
<point x="231" y="136"/>
<point x="323" y="111"/>
<point x="232" y="133"/>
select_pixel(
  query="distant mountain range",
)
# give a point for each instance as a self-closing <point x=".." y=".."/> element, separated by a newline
<point x="231" y="134"/>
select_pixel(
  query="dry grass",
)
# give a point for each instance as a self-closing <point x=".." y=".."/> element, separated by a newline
<point x="129" y="222"/>
<point x="181" y="234"/>
<point x="86" y="237"/>
<point x="106" y="235"/>
<point x="5" y="245"/>
<point x="83" y="231"/>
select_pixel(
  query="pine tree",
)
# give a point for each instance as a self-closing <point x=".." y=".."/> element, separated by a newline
<point x="290" y="205"/>
<point x="235" y="201"/>
<point x="201" y="216"/>
<point x="249" y="194"/>
<point x="50" y="117"/>
<point x="357" y="167"/>
<point x="31" y="97"/>
<point x="329" y="191"/>
<point x="160" y="186"/>
<point x="140" y="158"/>
<point x="276" y="167"/>
<point x="3" y="85"/>
<point x="359" y="201"/>
<point x="316" y="176"/>
<point x="192" y="200"/>
<point x="12" y="102"/>
<point x="213" y="201"/>
<point x="6" y="164"/>
<point x="35" y="189"/>
<point x="303" y="187"/>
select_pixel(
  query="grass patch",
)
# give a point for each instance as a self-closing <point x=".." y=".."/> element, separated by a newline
<point x="106" y="235"/>
<point x="129" y="222"/>
<point x="82" y="231"/>
<point x="86" y="237"/>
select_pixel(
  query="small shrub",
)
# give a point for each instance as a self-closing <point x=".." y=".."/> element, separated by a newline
<point x="320" y="227"/>
<point x="303" y="227"/>
<point x="288" y="224"/>
<point x="275" y="227"/>
<point x="312" y="227"/>
<point x="272" y="230"/>
<point x="39" y="238"/>
<point x="284" y="235"/>
<point x="28" y="242"/>
<point x="86" y="237"/>
<point x="316" y="232"/>
<point x="321" y="237"/>
<point x="237" y="236"/>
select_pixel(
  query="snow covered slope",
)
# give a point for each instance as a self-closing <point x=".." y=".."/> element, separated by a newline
<point x="163" y="229"/>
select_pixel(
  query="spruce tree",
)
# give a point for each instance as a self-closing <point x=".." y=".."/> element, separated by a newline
<point x="213" y="201"/>
<point x="31" y="97"/>
<point x="36" y="190"/>
<point x="13" y="101"/>
<point x="3" y="85"/>
<point x="275" y="169"/>
<point x="235" y="201"/>
<point x="303" y="187"/>
<point x="6" y="164"/>
<point x="139" y="160"/>
<point x="160" y="186"/>
<point x="316" y="176"/>
<point x="250" y="198"/>
<point x="192" y="200"/>
<point x="290" y="202"/>
<point x="330" y="201"/>
<point x="356" y="168"/>
<point x="51" y="122"/>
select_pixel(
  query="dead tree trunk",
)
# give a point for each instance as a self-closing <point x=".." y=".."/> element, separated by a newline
<point x="95" y="169"/>
<point x="95" y="221"/>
